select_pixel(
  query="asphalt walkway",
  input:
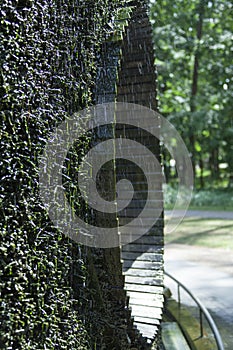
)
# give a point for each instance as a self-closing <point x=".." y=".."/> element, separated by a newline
<point x="208" y="273"/>
<point x="205" y="214"/>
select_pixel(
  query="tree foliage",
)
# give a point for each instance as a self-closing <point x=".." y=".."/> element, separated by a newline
<point x="193" y="41"/>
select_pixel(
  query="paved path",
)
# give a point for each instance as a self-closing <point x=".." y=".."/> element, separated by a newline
<point x="208" y="273"/>
<point x="203" y="214"/>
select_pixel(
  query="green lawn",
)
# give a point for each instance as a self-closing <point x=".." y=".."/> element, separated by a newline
<point x="204" y="208"/>
<point x="215" y="199"/>
<point x="214" y="233"/>
<point x="212" y="208"/>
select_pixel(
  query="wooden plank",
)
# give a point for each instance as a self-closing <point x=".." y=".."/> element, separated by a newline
<point x="148" y="240"/>
<point x="146" y="302"/>
<point x="143" y="95"/>
<point x="147" y="320"/>
<point x="140" y="193"/>
<point x="133" y="64"/>
<point x="146" y="311"/>
<point x="138" y="32"/>
<point x="133" y="212"/>
<point x="158" y="222"/>
<point x="126" y="149"/>
<point x="151" y="104"/>
<point x="148" y="331"/>
<point x="130" y="72"/>
<point x="135" y="41"/>
<point x="142" y="257"/>
<point x="137" y="86"/>
<point x="135" y="228"/>
<point x="134" y="236"/>
<point x="126" y="238"/>
<point x="143" y="288"/>
<point x="147" y="78"/>
<point x="137" y="264"/>
<point x="139" y="202"/>
<point x="145" y="296"/>
<point x="131" y="234"/>
<point x="152" y="213"/>
<point x="137" y="53"/>
<point x="143" y="248"/>
<point x="149" y="281"/>
<point x="144" y="273"/>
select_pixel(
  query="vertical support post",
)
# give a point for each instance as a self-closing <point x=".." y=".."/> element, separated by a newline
<point x="178" y="292"/>
<point x="201" y="323"/>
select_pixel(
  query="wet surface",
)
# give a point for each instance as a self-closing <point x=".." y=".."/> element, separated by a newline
<point x="208" y="273"/>
<point x="226" y="329"/>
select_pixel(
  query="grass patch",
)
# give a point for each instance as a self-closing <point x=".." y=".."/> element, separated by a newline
<point x="211" y="208"/>
<point x="213" y="233"/>
<point x="216" y="199"/>
<point x="202" y="208"/>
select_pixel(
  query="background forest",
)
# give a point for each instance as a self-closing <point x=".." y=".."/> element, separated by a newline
<point x="193" y="43"/>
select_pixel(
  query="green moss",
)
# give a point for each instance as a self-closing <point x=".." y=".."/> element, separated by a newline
<point x="49" y="51"/>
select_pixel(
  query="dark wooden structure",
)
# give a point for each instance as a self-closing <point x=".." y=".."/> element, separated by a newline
<point x="127" y="74"/>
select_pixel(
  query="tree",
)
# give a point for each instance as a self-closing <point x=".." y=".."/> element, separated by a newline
<point x="194" y="48"/>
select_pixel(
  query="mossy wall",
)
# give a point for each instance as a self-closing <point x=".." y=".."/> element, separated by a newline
<point x="49" y="51"/>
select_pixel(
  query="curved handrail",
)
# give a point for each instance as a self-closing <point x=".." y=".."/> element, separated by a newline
<point x="203" y="311"/>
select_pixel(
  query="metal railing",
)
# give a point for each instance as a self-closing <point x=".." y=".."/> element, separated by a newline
<point x="203" y="312"/>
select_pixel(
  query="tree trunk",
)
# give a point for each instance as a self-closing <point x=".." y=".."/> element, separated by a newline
<point x="194" y="87"/>
<point x="201" y="164"/>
